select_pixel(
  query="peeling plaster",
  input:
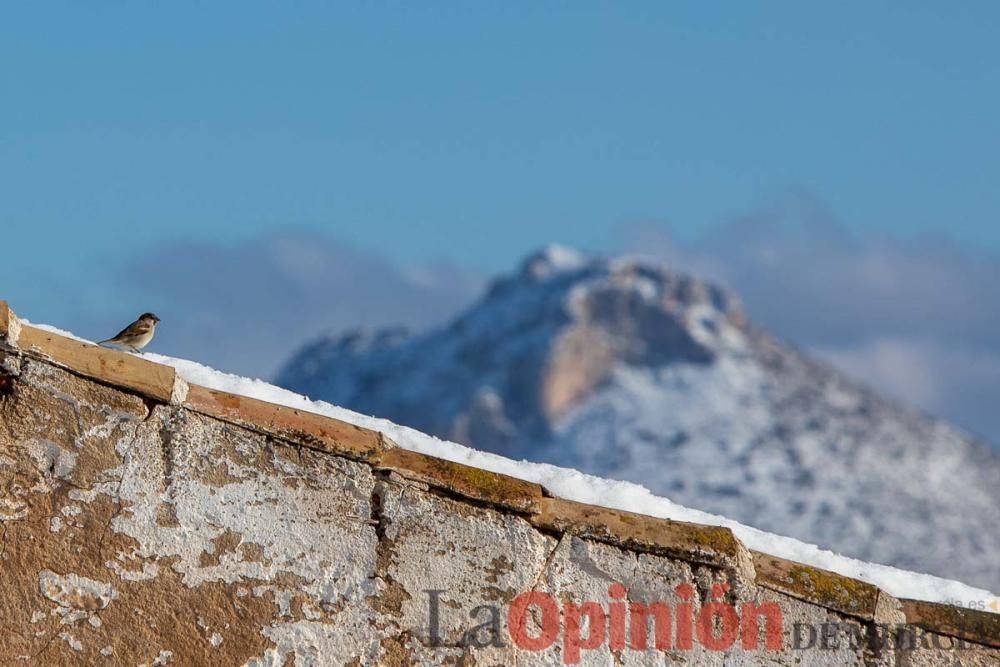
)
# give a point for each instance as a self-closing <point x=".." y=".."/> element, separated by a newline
<point x="71" y="591"/>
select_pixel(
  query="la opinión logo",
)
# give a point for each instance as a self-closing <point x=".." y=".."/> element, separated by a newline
<point x="536" y="621"/>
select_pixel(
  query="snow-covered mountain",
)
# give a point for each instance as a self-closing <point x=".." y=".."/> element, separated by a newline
<point x="627" y="370"/>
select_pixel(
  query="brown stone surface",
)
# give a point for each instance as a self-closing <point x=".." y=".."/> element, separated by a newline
<point x="131" y="535"/>
<point x="120" y="369"/>
<point x="969" y="624"/>
<point x="474" y="483"/>
<point x="306" y="428"/>
<point x="61" y="604"/>
<point x="821" y="587"/>
<point x="5" y="317"/>
<point x="710" y="545"/>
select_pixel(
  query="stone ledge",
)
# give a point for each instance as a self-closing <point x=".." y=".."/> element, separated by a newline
<point x="8" y="321"/>
<point x="306" y="428"/>
<point x="971" y="625"/>
<point x="475" y="483"/>
<point x="822" y="587"/>
<point x="707" y="545"/>
<point x="131" y="372"/>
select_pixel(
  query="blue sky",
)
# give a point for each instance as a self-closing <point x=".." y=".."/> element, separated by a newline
<point x="455" y="138"/>
<point x="481" y="131"/>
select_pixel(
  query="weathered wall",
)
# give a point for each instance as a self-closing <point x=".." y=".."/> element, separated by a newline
<point x="140" y="531"/>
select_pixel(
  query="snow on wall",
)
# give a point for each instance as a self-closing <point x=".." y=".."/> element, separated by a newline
<point x="575" y="485"/>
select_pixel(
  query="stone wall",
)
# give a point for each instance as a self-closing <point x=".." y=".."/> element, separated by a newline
<point x="145" y="521"/>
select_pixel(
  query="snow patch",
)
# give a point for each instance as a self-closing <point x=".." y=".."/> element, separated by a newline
<point x="551" y="260"/>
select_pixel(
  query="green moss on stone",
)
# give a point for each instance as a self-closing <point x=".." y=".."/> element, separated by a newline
<point x="831" y="589"/>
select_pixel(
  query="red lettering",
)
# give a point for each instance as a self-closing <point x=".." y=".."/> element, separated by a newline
<point x="638" y="613"/>
<point x="517" y="620"/>
<point x="684" y="616"/>
<point x="573" y="642"/>
<point x="773" y="626"/>
<point x="616" y="617"/>
<point x="726" y="615"/>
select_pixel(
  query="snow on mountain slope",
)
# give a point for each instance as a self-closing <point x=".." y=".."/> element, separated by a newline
<point x="626" y="370"/>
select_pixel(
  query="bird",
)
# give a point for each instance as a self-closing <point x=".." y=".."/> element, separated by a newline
<point x="136" y="335"/>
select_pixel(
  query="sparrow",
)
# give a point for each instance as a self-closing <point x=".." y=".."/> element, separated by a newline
<point x="136" y="335"/>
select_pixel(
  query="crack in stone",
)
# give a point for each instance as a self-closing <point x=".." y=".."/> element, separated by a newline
<point x="548" y="561"/>
<point x="3" y="546"/>
<point x="377" y="520"/>
<point x="384" y="555"/>
<point x="375" y="515"/>
<point x="46" y="647"/>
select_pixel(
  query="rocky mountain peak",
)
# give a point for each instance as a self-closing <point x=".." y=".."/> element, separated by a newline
<point x="542" y="339"/>
<point x="656" y="313"/>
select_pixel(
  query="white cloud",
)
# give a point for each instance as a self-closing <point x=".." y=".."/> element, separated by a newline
<point x="247" y="307"/>
<point x="952" y="380"/>
<point x="902" y="368"/>
<point x="917" y="319"/>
